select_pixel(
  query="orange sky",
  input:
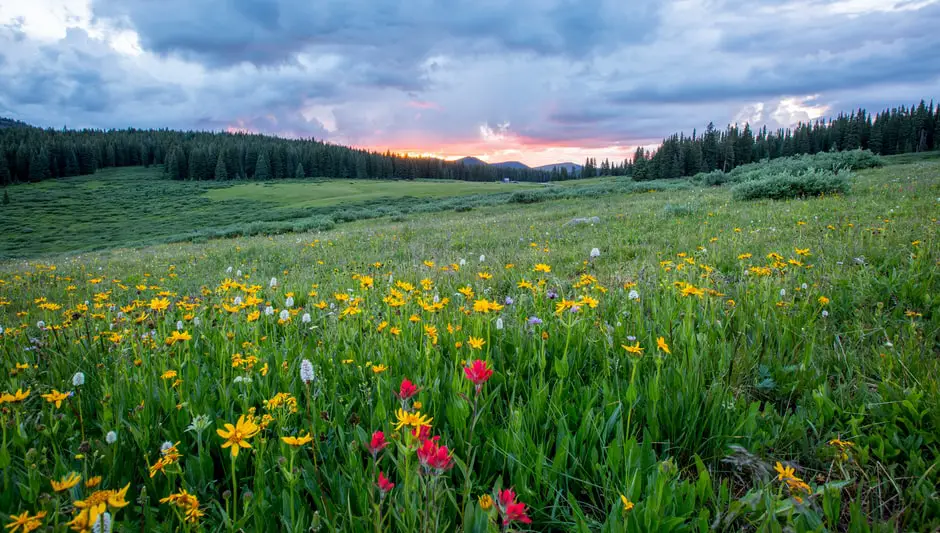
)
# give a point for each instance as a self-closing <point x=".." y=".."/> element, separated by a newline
<point x="531" y="152"/>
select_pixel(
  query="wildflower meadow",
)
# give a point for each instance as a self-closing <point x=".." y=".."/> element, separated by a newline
<point x="689" y="362"/>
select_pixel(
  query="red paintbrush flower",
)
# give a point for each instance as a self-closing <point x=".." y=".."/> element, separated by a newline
<point x="515" y="512"/>
<point x="422" y="433"/>
<point x="384" y="484"/>
<point x="377" y="444"/>
<point x="478" y="373"/>
<point x="511" y="510"/>
<point x="407" y="390"/>
<point x="433" y="456"/>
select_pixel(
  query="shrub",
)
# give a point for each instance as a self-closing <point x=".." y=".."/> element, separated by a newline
<point x="527" y="197"/>
<point x="712" y="179"/>
<point x="782" y="186"/>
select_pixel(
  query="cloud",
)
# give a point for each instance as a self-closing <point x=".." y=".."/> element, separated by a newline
<point x="225" y="32"/>
<point x="589" y="77"/>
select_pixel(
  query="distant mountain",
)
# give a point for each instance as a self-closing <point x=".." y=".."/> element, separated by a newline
<point x="470" y="161"/>
<point x="572" y="167"/>
<point x="510" y="164"/>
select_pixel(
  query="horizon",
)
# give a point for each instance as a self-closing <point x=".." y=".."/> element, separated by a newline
<point x="463" y="80"/>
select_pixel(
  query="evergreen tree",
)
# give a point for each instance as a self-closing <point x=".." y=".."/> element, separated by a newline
<point x="299" y="171"/>
<point x="262" y="171"/>
<point x="39" y="165"/>
<point x="71" y="163"/>
<point x="5" y="176"/>
<point x="220" y="173"/>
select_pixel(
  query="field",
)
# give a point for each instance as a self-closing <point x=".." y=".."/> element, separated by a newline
<point x="135" y="205"/>
<point x="715" y="365"/>
<point x="334" y="192"/>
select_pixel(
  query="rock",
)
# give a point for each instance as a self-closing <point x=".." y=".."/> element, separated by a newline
<point x="587" y="220"/>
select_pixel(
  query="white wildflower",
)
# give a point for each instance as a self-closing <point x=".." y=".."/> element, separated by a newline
<point x="238" y="300"/>
<point x="783" y="292"/>
<point x="268" y="311"/>
<point x="238" y="273"/>
<point x="228" y="270"/>
<point x="499" y="323"/>
<point x="825" y="313"/>
<point x="273" y="283"/>
<point x="165" y="446"/>
<point x="78" y="379"/>
<point x="41" y="324"/>
<point x="111" y="437"/>
<point x="306" y="318"/>
<point x="633" y="295"/>
<point x="179" y="325"/>
<point x="197" y="321"/>
<point x="306" y="371"/>
<point x="289" y="302"/>
<point x="482" y="258"/>
<point x="285" y="315"/>
<point x="595" y="252"/>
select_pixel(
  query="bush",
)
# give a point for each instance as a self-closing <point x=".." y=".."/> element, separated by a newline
<point x="712" y="179"/>
<point x="527" y="197"/>
<point x="782" y="186"/>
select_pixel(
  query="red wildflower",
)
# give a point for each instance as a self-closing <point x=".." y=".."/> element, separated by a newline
<point x="378" y="443"/>
<point x="407" y="390"/>
<point x="512" y="510"/>
<point x="434" y="456"/>
<point x="478" y="373"/>
<point x="422" y="433"/>
<point x="384" y="484"/>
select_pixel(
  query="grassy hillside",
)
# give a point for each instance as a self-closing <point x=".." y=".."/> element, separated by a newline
<point x="299" y="194"/>
<point x="135" y="205"/>
<point x="764" y="365"/>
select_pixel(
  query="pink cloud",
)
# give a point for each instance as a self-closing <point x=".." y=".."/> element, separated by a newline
<point x="419" y="104"/>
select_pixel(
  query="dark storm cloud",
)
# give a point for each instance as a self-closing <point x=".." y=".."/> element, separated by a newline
<point x="589" y="73"/>
<point x="226" y="32"/>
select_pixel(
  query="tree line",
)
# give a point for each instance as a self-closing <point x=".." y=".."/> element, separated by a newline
<point x="29" y="154"/>
<point x="898" y="130"/>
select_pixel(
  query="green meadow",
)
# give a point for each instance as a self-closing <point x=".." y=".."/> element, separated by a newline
<point x="716" y="365"/>
<point x="135" y="205"/>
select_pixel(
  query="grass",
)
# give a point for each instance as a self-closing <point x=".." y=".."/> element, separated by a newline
<point x="300" y="194"/>
<point x="137" y="206"/>
<point x="709" y="342"/>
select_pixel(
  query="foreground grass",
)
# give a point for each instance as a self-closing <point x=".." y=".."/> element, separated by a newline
<point x="659" y="387"/>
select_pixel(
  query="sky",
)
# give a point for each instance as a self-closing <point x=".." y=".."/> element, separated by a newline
<point x="538" y="81"/>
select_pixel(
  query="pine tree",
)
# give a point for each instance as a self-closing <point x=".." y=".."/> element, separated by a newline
<point x="71" y="163"/>
<point x="5" y="175"/>
<point x="39" y="165"/>
<point x="262" y="171"/>
<point x="299" y="171"/>
<point x="220" y="173"/>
